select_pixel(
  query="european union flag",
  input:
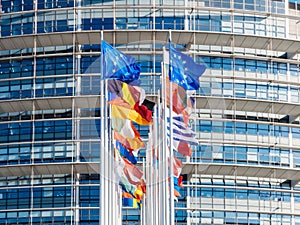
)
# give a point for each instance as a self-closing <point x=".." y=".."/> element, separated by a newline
<point x="118" y="65"/>
<point x="184" y="71"/>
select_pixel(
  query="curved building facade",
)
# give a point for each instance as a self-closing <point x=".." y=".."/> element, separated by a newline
<point x="246" y="167"/>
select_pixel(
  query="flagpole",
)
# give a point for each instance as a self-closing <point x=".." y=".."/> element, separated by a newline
<point x="143" y="206"/>
<point x="103" y="219"/>
<point x="148" y="200"/>
<point x="156" y="159"/>
<point x="160" y="154"/>
<point x="161" y="164"/>
<point x="107" y="156"/>
<point x="164" y="160"/>
<point x="152" y="168"/>
<point x="159" y="145"/>
<point x="172" y="213"/>
<point x="163" y="198"/>
<point x="110" y="157"/>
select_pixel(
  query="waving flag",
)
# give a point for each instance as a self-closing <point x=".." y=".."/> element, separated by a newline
<point x="183" y="70"/>
<point x="178" y="181"/>
<point x="183" y="136"/>
<point x="126" y="185"/>
<point x="179" y="97"/>
<point x="121" y="109"/>
<point x="131" y="202"/>
<point x="117" y="65"/>
<point x="129" y="93"/>
<point x="140" y="190"/>
<point x="177" y="185"/>
<point x="143" y="111"/>
<point x="177" y="166"/>
<point x="136" y="190"/>
<point x="133" y="174"/>
<point x="178" y="122"/>
<point x="124" y="127"/>
<point x="182" y="147"/>
<point x="125" y="153"/>
<point x="130" y="144"/>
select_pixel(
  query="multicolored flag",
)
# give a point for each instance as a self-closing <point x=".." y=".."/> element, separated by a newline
<point x="121" y="109"/>
<point x="179" y="97"/>
<point x="129" y="93"/>
<point x="124" y="127"/>
<point x="133" y="174"/>
<point x="177" y="185"/>
<point x="182" y="135"/>
<point x="124" y="152"/>
<point x="182" y="147"/>
<point x="177" y="167"/>
<point x="131" y="144"/>
<point x="127" y="186"/>
<point x="131" y="202"/>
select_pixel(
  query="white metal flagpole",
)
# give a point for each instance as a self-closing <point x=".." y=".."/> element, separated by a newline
<point x="103" y="219"/>
<point x="147" y="205"/>
<point x="156" y="158"/>
<point x="108" y="188"/>
<point x="164" y="160"/>
<point x="172" y="212"/>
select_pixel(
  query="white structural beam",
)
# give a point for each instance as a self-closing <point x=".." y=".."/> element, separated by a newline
<point x="242" y="170"/>
<point x="244" y="104"/>
<point x="50" y="168"/>
<point x="290" y="46"/>
<point x="203" y="102"/>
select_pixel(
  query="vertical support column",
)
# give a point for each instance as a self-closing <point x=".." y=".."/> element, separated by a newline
<point x="76" y="123"/>
<point x="186" y="18"/>
<point x="291" y="144"/>
<point x="33" y="110"/>
<point x="76" y="110"/>
<point x="188" y="203"/>
<point x="77" y="17"/>
<point x="114" y="16"/>
<point x="286" y="7"/>
<point x="153" y="15"/>
<point x="76" y="196"/>
<point x="292" y="204"/>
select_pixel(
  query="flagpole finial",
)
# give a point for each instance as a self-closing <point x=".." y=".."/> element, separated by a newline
<point x="101" y="35"/>
<point x="170" y="35"/>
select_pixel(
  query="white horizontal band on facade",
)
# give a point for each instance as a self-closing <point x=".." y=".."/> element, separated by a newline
<point x="203" y="102"/>
<point x="188" y="168"/>
<point x="241" y="170"/>
<point x="50" y="168"/>
<point x="139" y="36"/>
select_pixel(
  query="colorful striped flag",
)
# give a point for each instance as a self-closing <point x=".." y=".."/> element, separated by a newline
<point x="124" y="152"/>
<point x="133" y="174"/>
<point x="131" y="144"/>
<point x="124" y="127"/>
<point x="129" y="93"/>
<point x="121" y="109"/>
<point x="131" y="202"/>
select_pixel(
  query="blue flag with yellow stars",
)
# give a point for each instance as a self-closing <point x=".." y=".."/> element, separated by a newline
<point x="117" y="65"/>
<point x="183" y="70"/>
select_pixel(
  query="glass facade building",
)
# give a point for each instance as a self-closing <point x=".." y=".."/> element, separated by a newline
<point x="246" y="167"/>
